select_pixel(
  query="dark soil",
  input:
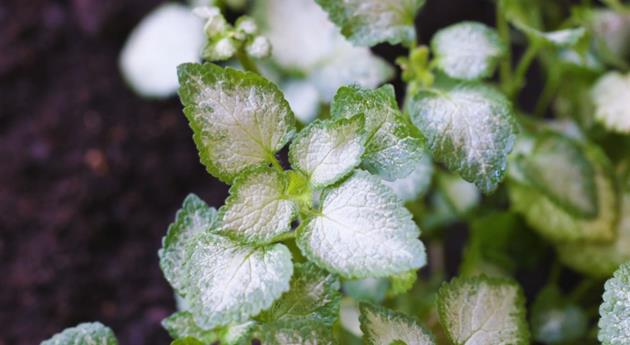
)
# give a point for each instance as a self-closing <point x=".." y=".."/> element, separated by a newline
<point x="91" y="175"/>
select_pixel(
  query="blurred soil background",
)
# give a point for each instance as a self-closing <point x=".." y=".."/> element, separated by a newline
<point x="91" y="175"/>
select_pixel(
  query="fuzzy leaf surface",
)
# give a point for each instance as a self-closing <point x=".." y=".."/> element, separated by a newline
<point x="325" y="151"/>
<point x="299" y="332"/>
<point x="369" y="22"/>
<point x="614" y="322"/>
<point x="467" y="50"/>
<point x="392" y="151"/>
<point x="362" y="231"/>
<point x="84" y="333"/>
<point x="193" y="218"/>
<point x="313" y="295"/>
<point x="469" y="128"/>
<point x="257" y="209"/>
<point x="382" y="326"/>
<point x="483" y="311"/>
<point x="239" y="119"/>
<point x="228" y="282"/>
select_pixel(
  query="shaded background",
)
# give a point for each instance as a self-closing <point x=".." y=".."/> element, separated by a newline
<point x="91" y="175"/>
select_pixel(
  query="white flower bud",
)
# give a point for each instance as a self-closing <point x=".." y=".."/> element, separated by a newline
<point x="247" y="25"/>
<point x="259" y="47"/>
<point x="215" y="23"/>
<point x="215" y="26"/>
<point x="223" y="49"/>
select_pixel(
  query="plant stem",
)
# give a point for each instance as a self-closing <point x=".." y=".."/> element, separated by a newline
<point x="550" y="88"/>
<point x="283" y="237"/>
<point x="522" y="68"/>
<point x="274" y="162"/>
<point x="247" y="62"/>
<point x="505" y="68"/>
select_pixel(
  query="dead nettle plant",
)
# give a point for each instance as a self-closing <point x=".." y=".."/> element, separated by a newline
<point x="327" y="248"/>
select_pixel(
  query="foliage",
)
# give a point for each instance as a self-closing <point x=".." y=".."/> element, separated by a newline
<point x="322" y="245"/>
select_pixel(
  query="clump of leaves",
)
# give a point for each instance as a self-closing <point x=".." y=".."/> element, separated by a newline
<point x="323" y="246"/>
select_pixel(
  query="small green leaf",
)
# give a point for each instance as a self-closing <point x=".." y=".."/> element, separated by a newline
<point x="314" y="295"/>
<point x="325" y="151"/>
<point x="614" y="322"/>
<point x="415" y="185"/>
<point x="194" y="217"/>
<point x="258" y="208"/>
<point x="401" y="283"/>
<point x="392" y="151"/>
<point x="361" y="207"/>
<point x="611" y="96"/>
<point x="382" y="326"/>
<point x="558" y="168"/>
<point x="469" y="128"/>
<point x="239" y="119"/>
<point x="552" y="221"/>
<point x="228" y="282"/>
<point x="467" y="50"/>
<point x="302" y="332"/>
<point x="369" y="22"/>
<point x="555" y="320"/>
<point x="84" y="333"/>
<point x="483" y="311"/>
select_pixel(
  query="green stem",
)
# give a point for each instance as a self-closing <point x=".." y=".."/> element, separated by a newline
<point x="284" y="236"/>
<point x="549" y="90"/>
<point x="522" y="68"/>
<point x="247" y="62"/>
<point x="274" y="162"/>
<point x="505" y="68"/>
